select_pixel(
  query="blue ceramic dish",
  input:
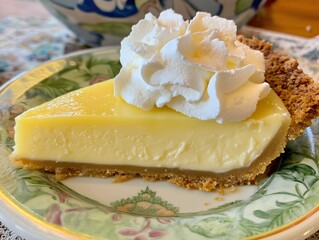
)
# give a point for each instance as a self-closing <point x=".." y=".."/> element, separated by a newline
<point x="106" y="22"/>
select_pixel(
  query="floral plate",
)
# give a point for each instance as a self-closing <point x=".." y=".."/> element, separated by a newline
<point x="283" y="206"/>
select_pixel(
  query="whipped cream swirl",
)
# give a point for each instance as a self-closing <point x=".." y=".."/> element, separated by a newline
<point x="197" y="68"/>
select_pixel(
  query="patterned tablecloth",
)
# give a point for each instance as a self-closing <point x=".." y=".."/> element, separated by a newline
<point x="26" y="42"/>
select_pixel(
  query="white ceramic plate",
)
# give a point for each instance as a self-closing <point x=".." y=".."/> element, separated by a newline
<point x="36" y="205"/>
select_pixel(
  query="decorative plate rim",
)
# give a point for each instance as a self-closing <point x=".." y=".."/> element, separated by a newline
<point x="24" y="222"/>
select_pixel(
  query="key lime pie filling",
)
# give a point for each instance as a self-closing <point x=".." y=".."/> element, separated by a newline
<point x="191" y="105"/>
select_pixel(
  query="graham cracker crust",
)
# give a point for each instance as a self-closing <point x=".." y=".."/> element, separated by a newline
<point x="298" y="91"/>
<point x="205" y="181"/>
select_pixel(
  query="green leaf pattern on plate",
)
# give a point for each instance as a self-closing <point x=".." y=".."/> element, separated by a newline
<point x="146" y="202"/>
<point x="290" y="193"/>
<point x="75" y="75"/>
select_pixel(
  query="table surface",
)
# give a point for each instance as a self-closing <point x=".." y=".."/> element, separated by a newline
<point x="293" y="17"/>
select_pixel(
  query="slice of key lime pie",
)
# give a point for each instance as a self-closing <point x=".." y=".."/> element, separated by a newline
<point x="193" y="105"/>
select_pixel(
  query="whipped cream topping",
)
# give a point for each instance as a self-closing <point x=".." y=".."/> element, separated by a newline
<point x="197" y="68"/>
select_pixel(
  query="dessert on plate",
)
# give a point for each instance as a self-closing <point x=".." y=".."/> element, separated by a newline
<point x="193" y="104"/>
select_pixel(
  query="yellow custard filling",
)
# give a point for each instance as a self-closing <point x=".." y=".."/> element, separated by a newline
<point x="92" y="126"/>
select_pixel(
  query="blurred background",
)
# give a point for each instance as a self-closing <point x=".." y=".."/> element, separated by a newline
<point x="293" y="17"/>
<point x="29" y="34"/>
